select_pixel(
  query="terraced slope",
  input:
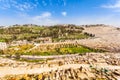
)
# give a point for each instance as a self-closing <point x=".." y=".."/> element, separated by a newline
<point x="30" y="33"/>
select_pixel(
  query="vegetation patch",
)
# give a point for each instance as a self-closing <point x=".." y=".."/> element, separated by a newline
<point x="2" y="40"/>
<point x="30" y="60"/>
<point x="74" y="50"/>
<point x="66" y="49"/>
<point x="33" y="32"/>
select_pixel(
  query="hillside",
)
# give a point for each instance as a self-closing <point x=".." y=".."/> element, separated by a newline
<point x="73" y="52"/>
<point x="32" y="32"/>
<point x="97" y="36"/>
<point x="43" y="40"/>
<point x="107" y="37"/>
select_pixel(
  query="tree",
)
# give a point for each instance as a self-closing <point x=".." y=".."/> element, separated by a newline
<point x="17" y="55"/>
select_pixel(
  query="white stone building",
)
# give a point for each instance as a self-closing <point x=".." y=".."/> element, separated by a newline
<point x="3" y="45"/>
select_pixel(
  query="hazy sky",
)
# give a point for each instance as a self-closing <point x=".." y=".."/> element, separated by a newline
<point x="47" y="12"/>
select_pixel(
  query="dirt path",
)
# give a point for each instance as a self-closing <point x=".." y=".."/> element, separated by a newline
<point x="16" y="71"/>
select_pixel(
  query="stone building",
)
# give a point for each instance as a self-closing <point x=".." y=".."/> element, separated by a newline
<point x="3" y="45"/>
<point x="44" y="40"/>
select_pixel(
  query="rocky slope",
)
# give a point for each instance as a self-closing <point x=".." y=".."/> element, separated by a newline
<point x="106" y="37"/>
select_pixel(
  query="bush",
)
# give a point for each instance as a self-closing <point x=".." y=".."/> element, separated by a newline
<point x="17" y="56"/>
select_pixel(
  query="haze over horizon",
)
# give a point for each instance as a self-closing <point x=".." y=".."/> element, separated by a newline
<point x="49" y="12"/>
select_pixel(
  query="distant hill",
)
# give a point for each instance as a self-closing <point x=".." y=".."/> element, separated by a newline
<point x="32" y="32"/>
